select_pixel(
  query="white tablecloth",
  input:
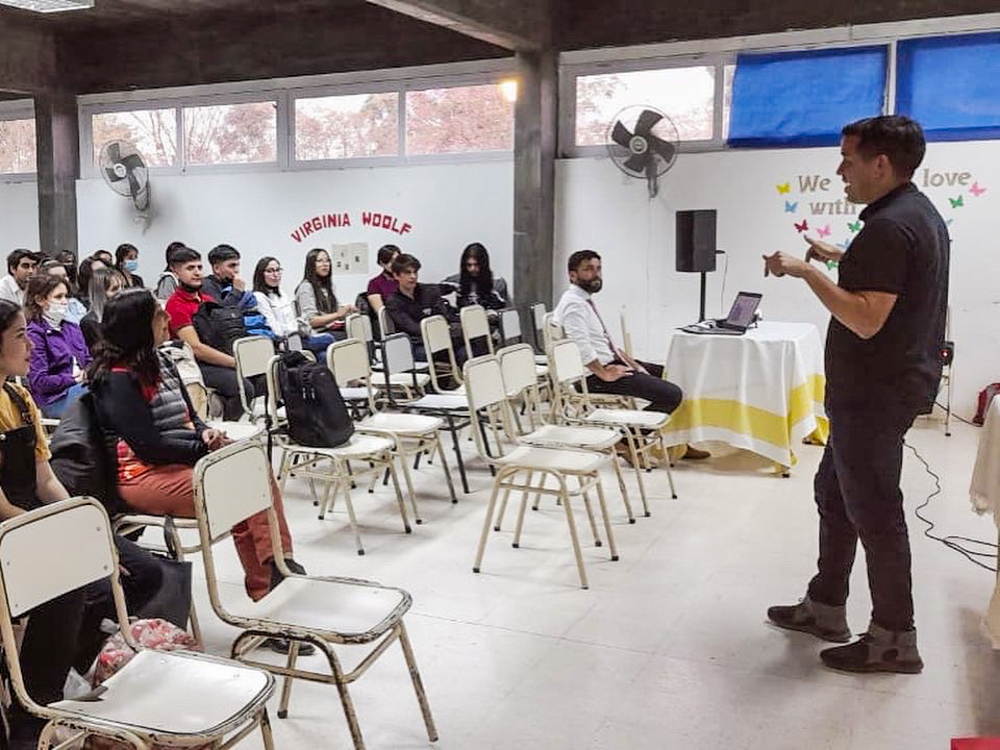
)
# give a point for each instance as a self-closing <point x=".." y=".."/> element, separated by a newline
<point x="985" y="494"/>
<point x="762" y="391"/>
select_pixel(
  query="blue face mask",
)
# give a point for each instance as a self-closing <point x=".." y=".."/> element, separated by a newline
<point x="132" y="265"/>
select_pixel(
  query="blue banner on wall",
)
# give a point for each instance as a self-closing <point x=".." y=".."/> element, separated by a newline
<point x="805" y="98"/>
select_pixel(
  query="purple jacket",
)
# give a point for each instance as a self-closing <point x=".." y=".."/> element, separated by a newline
<point x="50" y="373"/>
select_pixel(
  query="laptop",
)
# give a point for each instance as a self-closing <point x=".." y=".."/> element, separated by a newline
<point x="740" y="317"/>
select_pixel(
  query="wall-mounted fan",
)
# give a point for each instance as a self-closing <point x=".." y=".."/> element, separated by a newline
<point x="642" y="142"/>
<point x="125" y="171"/>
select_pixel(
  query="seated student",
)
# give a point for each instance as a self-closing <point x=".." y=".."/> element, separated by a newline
<point x="414" y="302"/>
<point x="279" y="308"/>
<point x="87" y="268"/>
<point x="59" y="353"/>
<point x="218" y="369"/>
<point x="75" y="309"/>
<point x="475" y="284"/>
<point x="104" y="284"/>
<point x="225" y="286"/>
<point x="316" y="299"/>
<point x="167" y="283"/>
<point x="127" y="263"/>
<point x="63" y="632"/>
<point x="144" y="408"/>
<point x="21" y="266"/>
<point x="384" y="285"/>
<point x="105" y="257"/>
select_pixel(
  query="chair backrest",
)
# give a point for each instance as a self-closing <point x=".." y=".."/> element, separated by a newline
<point x="626" y="336"/>
<point x="537" y="315"/>
<point x="230" y="485"/>
<point x="385" y="324"/>
<point x="397" y="353"/>
<point x="33" y="572"/>
<point x="253" y="355"/>
<point x="517" y="364"/>
<point x="348" y="360"/>
<point x="436" y="335"/>
<point x="355" y="327"/>
<point x="510" y="326"/>
<point x="475" y="325"/>
<point x="486" y="394"/>
<point x="565" y="362"/>
<point x="551" y="330"/>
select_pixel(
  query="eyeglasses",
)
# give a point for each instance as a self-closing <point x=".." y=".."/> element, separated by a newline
<point x="273" y="270"/>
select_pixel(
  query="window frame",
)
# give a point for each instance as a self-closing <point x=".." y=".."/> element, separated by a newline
<point x="285" y="91"/>
<point x="19" y="109"/>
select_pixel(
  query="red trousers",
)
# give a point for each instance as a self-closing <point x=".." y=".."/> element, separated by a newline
<point x="169" y="491"/>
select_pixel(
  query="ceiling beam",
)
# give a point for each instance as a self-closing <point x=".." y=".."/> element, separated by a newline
<point x="27" y="58"/>
<point x="518" y="25"/>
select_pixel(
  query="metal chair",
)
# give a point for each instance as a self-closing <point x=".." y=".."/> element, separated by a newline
<point x="436" y="337"/>
<point x="642" y="430"/>
<point x="252" y="355"/>
<point x="159" y="698"/>
<point x="475" y="326"/>
<point x="538" y="325"/>
<point x="488" y="400"/>
<point x="414" y="434"/>
<point x="327" y="611"/>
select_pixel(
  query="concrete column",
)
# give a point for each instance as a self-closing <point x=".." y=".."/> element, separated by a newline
<point x="535" y="136"/>
<point x="58" y="148"/>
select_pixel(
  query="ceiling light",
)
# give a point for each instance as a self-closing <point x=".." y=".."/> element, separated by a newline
<point x="508" y="89"/>
<point x="49" y="6"/>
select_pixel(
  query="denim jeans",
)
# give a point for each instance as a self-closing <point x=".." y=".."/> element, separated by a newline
<point x="55" y="409"/>
<point x="858" y="497"/>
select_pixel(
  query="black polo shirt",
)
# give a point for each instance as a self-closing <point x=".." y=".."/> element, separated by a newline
<point x="903" y="249"/>
<point x="407" y="312"/>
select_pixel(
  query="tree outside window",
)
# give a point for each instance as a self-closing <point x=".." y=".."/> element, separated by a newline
<point x="17" y="146"/>
<point x="460" y="119"/>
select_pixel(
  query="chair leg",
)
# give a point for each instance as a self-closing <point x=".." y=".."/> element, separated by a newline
<point x="670" y="474"/>
<point x="348" y="705"/>
<point x="607" y="521"/>
<point x="444" y="467"/>
<point x="409" y="488"/>
<point x="391" y="465"/>
<point x="286" y="685"/>
<point x="265" y="730"/>
<point x="418" y="684"/>
<point x="585" y="497"/>
<point x="352" y="517"/>
<point x="520" y="513"/>
<point x="538" y="495"/>
<point x="327" y="503"/>
<point x="638" y="473"/>
<point x="486" y="526"/>
<point x="621" y="487"/>
<point x="503" y="510"/>
<point x="458" y="454"/>
<point x="573" y="535"/>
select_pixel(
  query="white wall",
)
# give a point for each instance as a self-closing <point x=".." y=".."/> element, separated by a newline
<point x="18" y="217"/>
<point x="448" y="207"/>
<point x="600" y="208"/>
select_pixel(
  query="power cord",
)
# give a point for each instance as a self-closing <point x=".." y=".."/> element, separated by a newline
<point x="954" y="415"/>
<point x="725" y="273"/>
<point x="951" y="541"/>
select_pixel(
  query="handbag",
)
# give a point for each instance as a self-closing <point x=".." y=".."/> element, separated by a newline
<point x="172" y="601"/>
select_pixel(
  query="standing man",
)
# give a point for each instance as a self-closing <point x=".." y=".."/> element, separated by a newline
<point x="882" y="367"/>
<point x="21" y="265"/>
<point x="612" y="370"/>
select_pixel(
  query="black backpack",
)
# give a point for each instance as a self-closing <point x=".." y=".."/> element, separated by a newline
<point x="219" y="325"/>
<point x="317" y="415"/>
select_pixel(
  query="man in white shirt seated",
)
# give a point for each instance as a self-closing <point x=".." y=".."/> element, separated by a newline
<point x="21" y="265"/>
<point x="612" y="370"/>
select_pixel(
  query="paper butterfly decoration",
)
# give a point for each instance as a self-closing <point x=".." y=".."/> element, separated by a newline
<point x="957" y="202"/>
<point x="976" y="190"/>
<point x="784" y="188"/>
<point x="791" y="208"/>
<point x="854" y="226"/>
<point x="803" y="227"/>
<point x="823" y="231"/>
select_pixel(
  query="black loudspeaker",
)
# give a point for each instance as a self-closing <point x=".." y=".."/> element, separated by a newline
<point x="696" y="241"/>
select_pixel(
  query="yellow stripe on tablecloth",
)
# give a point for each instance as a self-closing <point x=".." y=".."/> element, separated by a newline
<point x="761" y="424"/>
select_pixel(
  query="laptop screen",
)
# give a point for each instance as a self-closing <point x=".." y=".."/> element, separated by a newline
<point x="741" y="313"/>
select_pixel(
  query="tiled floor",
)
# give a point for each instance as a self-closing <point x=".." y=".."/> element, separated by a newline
<point x="668" y="648"/>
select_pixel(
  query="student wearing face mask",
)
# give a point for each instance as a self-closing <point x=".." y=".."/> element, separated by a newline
<point x="59" y="354"/>
<point x="127" y="263"/>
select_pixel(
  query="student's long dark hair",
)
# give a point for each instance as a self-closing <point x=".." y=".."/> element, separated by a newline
<point x="8" y="315"/>
<point x="260" y="280"/>
<point x="483" y="282"/>
<point x="127" y="337"/>
<point x="319" y="284"/>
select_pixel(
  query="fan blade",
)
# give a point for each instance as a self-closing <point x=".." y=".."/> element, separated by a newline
<point x="620" y="135"/>
<point x="112" y="177"/>
<point x="133" y="184"/>
<point x="637" y="162"/>
<point x="114" y="151"/>
<point x="132" y="161"/>
<point x="646" y="121"/>
<point x="662" y="147"/>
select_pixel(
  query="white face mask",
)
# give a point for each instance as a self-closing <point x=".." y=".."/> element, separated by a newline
<point x="56" y="312"/>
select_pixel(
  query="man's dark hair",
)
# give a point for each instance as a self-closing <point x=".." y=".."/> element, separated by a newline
<point x="170" y="248"/>
<point x="577" y="258"/>
<point x="222" y="253"/>
<point x="899" y="138"/>
<point x="15" y="258"/>
<point x="405" y="262"/>
<point x="183" y="255"/>
<point x="386" y="252"/>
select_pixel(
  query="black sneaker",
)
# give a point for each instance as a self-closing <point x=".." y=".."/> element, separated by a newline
<point x="878" y="650"/>
<point x="821" y="620"/>
<point x="281" y="646"/>
<point x="293" y="566"/>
